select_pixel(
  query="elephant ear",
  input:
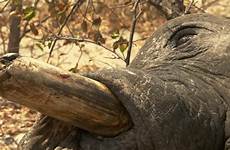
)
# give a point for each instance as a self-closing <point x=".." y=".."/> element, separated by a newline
<point x="166" y="44"/>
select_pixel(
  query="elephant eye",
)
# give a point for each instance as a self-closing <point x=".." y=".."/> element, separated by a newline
<point x="186" y="34"/>
<point x="183" y="36"/>
<point x="184" y="39"/>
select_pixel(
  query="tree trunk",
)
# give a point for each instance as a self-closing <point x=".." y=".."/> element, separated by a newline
<point x="15" y="20"/>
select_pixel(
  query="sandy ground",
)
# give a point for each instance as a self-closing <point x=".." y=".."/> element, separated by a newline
<point x="67" y="56"/>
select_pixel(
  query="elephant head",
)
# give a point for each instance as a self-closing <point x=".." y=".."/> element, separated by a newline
<point x="176" y="93"/>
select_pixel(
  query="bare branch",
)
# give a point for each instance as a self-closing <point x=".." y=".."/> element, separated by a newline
<point x="74" y="8"/>
<point x="78" y="60"/>
<point x="3" y="41"/>
<point x="3" y="8"/>
<point x="15" y="21"/>
<point x="134" y="20"/>
<point x="188" y="8"/>
<point x="36" y="25"/>
<point x="87" y="41"/>
<point x="126" y="4"/>
<point x="27" y="22"/>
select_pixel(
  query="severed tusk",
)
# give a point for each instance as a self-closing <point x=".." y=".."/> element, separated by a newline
<point x="78" y="100"/>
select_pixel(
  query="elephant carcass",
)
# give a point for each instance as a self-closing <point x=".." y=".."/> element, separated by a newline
<point x="176" y="92"/>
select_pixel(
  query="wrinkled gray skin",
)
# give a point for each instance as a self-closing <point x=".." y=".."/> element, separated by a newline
<point x="176" y="91"/>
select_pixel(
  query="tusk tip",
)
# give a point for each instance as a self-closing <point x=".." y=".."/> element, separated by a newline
<point x="7" y="58"/>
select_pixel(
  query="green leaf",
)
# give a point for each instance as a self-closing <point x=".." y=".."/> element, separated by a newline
<point x="40" y="46"/>
<point x="186" y="2"/>
<point x="29" y="13"/>
<point x="122" y="44"/>
<point x="73" y="70"/>
<point x="49" y="44"/>
<point x="115" y="45"/>
<point x="115" y="35"/>
<point x="123" y="47"/>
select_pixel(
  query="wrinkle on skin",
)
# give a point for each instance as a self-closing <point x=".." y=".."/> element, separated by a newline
<point x="176" y="94"/>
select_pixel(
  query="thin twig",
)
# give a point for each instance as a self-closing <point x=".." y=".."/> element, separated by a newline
<point x="92" y="5"/>
<point x="80" y="47"/>
<point x="141" y="39"/>
<point x="46" y="29"/>
<point x="87" y="8"/>
<point x="188" y="8"/>
<point x="3" y="41"/>
<point x="205" y="7"/>
<point x="79" y="58"/>
<point x="87" y="41"/>
<point x="27" y="22"/>
<point x="84" y="15"/>
<point x="36" y="25"/>
<point x="117" y="6"/>
<point x="7" y="3"/>
<point x="75" y="7"/>
<point x="134" y="20"/>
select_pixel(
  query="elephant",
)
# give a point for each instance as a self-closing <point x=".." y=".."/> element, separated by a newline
<point x="175" y="92"/>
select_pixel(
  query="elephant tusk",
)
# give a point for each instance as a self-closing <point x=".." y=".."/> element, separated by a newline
<point x="75" y="99"/>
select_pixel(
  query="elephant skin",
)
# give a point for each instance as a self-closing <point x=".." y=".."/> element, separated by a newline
<point x="176" y="91"/>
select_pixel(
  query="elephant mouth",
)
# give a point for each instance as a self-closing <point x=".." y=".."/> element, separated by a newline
<point x="72" y="98"/>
